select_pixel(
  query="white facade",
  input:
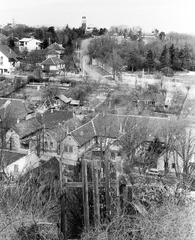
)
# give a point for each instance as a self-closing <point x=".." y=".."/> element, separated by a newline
<point x="6" y="67"/>
<point x="22" y="165"/>
<point x="29" y="44"/>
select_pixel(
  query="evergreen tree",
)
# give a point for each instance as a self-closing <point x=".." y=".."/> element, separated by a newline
<point x="185" y="57"/>
<point x="171" y="53"/>
<point x="176" y="64"/>
<point x="150" y="60"/>
<point x="164" y="58"/>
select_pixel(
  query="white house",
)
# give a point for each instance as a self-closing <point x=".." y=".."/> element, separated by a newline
<point x="29" y="44"/>
<point x="21" y="163"/>
<point x="8" y="58"/>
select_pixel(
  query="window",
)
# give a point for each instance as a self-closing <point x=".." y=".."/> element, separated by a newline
<point x="15" y="168"/>
<point x="46" y="144"/>
<point x="70" y="149"/>
<point x="173" y="165"/>
<point x="51" y="144"/>
<point x="65" y="148"/>
<point x="112" y="156"/>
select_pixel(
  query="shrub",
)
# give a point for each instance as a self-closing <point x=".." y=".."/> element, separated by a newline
<point x="167" y="71"/>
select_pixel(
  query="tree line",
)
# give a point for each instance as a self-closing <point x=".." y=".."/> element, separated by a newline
<point x="68" y="37"/>
<point x="175" y="52"/>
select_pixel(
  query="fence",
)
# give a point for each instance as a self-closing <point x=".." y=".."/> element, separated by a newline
<point x="95" y="185"/>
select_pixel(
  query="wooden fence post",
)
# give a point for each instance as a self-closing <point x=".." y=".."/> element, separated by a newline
<point x="96" y="201"/>
<point x="107" y="187"/>
<point x="63" y="203"/>
<point x="85" y="194"/>
<point x="128" y="199"/>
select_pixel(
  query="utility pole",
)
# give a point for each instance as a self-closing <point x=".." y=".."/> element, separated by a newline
<point x="63" y="202"/>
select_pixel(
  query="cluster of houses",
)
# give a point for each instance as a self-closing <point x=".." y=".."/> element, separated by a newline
<point x="53" y="53"/>
<point x="33" y="138"/>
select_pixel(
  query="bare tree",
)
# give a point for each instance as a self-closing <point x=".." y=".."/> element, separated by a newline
<point x="168" y="133"/>
<point x="136" y="132"/>
<point x="184" y="153"/>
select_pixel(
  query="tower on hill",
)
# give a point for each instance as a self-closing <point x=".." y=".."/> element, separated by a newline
<point x="83" y="23"/>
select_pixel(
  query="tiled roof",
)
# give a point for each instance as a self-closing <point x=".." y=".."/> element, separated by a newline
<point x="55" y="46"/>
<point x="10" y="157"/>
<point x="58" y="132"/>
<point x="15" y="107"/>
<point x="52" y="119"/>
<point x="72" y="124"/>
<point x="84" y="133"/>
<point x="8" y="52"/>
<point x="52" y="61"/>
<point x="113" y="126"/>
<point x="52" y="51"/>
<point x="109" y="125"/>
<point x="154" y="125"/>
<point x="27" y="127"/>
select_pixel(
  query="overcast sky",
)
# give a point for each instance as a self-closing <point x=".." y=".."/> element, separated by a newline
<point x="165" y="15"/>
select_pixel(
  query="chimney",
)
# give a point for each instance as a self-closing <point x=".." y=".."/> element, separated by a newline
<point x="18" y="120"/>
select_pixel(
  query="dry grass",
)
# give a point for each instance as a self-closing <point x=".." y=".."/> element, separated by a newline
<point x="29" y="206"/>
<point x="168" y="222"/>
<point x="18" y="223"/>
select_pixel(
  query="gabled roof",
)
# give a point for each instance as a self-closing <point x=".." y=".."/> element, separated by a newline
<point x="84" y="133"/>
<point x="8" y="52"/>
<point x="27" y="127"/>
<point x="15" y="107"/>
<point x="28" y="40"/>
<point x="52" y="61"/>
<point x="113" y="126"/>
<point x="55" y="46"/>
<point x="52" y="51"/>
<point x="58" y="133"/>
<point x="72" y="124"/>
<point x="10" y="157"/>
<point x="52" y="119"/>
<point x="109" y="125"/>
